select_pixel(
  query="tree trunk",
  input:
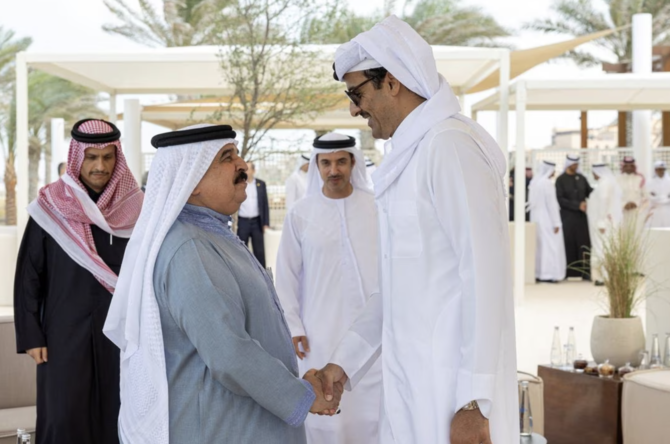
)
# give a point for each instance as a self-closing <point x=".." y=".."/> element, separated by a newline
<point x="10" y="190"/>
<point x="34" y="155"/>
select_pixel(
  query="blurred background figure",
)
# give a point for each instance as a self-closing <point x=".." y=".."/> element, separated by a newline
<point x="543" y="206"/>
<point x="604" y="213"/>
<point x="254" y="215"/>
<point x="296" y="184"/>
<point x="659" y="196"/>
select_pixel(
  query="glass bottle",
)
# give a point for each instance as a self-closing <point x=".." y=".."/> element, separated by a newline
<point x="666" y="352"/>
<point x="644" y="360"/>
<point x="556" y="358"/>
<point x="571" y="348"/>
<point x="525" y="413"/>
<point x="19" y="435"/>
<point x="655" y="358"/>
<point x="25" y="438"/>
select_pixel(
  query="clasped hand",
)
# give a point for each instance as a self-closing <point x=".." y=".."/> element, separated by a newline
<point x="321" y="405"/>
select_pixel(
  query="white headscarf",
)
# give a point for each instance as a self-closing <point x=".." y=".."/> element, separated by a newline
<point x="358" y="177"/>
<point x="603" y="171"/>
<point x="571" y="160"/>
<point x="542" y="178"/>
<point x="133" y="322"/>
<point x="394" y="45"/>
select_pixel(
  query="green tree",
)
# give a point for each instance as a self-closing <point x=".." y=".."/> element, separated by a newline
<point x="272" y="77"/>
<point x="9" y="47"/>
<point x="181" y="23"/>
<point x="581" y="17"/>
<point x="440" y="22"/>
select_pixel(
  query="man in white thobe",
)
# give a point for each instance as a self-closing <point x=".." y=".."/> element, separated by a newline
<point x="445" y="316"/>
<point x="326" y="272"/>
<point x="370" y="168"/>
<point x="550" y="262"/>
<point x="605" y="212"/>
<point x="296" y="184"/>
<point x="659" y="196"/>
<point x="632" y="187"/>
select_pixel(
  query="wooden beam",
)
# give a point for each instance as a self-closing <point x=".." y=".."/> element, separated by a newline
<point x="665" y="116"/>
<point x="585" y="130"/>
<point x="623" y="136"/>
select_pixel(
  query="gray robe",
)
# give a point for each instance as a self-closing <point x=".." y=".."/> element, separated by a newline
<point x="231" y="368"/>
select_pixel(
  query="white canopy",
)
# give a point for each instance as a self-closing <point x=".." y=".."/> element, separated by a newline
<point x="176" y="115"/>
<point x="197" y="70"/>
<point x="619" y="92"/>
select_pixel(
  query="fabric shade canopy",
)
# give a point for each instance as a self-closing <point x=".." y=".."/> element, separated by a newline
<point x="523" y="60"/>
<point x="620" y="92"/>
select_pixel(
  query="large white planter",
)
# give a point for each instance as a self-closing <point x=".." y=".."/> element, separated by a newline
<point x="619" y="340"/>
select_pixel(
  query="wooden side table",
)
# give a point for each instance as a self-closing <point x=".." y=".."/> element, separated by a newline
<point x="580" y="408"/>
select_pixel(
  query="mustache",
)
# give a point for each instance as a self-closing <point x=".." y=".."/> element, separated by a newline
<point x="241" y="177"/>
<point x="98" y="172"/>
<point x="364" y="115"/>
<point x="339" y="176"/>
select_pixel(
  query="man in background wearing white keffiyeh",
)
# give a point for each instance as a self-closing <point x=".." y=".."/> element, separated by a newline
<point x="444" y="321"/>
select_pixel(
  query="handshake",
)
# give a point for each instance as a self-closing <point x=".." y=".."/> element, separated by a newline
<point x="328" y="384"/>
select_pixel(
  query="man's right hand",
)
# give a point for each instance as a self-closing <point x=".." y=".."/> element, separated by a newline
<point x="582" y="207"/>
<point x="330" y="375"/>
<point x="305" y="346"/>
<point x="38" y="354"/>
<point x="321" y="406"/>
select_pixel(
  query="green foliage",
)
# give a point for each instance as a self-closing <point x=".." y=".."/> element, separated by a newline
<point x="580" y="17"/>
<point x="440" y="22"/>
<point x="273" y="78"/>
<point x="180" y="23"/>
<point x="623" y="265"/>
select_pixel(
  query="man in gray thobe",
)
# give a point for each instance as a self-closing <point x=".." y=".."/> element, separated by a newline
<point x="229" y="371"/>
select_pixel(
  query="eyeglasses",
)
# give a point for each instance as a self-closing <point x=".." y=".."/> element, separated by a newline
<point x="353" y="94"/>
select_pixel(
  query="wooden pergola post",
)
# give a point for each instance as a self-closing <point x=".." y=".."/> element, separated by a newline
<point x="585" y="130"/>
<point x="623" y="135"/>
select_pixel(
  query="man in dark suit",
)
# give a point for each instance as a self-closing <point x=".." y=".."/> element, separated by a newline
<point x="254" y="215"/>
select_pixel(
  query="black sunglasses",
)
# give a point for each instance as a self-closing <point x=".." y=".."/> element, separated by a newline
<point x="353" y="94"/>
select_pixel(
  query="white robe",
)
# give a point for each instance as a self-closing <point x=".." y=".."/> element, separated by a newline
<point x="659" y="196"/>
<point x="296" y="185"/>
<point x="326" y="272"/>
<point x="550" y="262"/>
<point x="445" y="318"/>
<point x="605" y="211"/>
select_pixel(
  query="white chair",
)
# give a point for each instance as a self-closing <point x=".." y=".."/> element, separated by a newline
<point x="645" y="407"/>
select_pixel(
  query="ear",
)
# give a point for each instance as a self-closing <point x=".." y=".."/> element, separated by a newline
<point x="394" y="84"/>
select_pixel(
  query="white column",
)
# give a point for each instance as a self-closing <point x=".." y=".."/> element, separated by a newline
<point x="21" y="145"/>
<point x="520" y="195"/>
<point x="132" y="136"/>
<point x="464" y="104"/>
<point x="58" y="151"/>
<point x="503" y="112"/>
<point x="642" y="51"/>
<point x="112" y="108"/>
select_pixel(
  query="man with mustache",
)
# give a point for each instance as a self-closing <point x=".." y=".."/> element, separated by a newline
<point x="444" y="319"/>
<point x="326" y="271"/>
<point x="65" y="276"/>
<point x="206" y="352"/>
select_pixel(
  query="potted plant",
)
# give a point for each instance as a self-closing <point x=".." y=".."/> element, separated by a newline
<point x="619" y="336"/>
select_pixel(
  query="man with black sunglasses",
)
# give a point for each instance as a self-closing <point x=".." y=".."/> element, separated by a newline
<point x="444" y="317"/>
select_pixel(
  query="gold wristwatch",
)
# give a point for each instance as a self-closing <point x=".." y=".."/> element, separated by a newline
<point x="472" y="405"/>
